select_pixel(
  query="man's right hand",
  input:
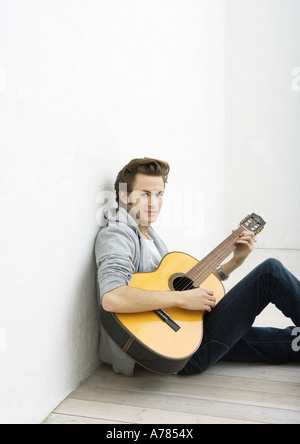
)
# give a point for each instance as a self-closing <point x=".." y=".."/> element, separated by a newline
<point x="197" y="299"/>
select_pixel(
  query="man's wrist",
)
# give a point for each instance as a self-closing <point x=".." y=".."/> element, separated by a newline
<point x="229" y="267"/>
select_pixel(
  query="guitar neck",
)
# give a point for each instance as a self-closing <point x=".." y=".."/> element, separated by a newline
<point x="207" y="265"/>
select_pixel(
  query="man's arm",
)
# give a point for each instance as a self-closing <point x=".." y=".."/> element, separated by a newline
<point x="244" y="246"/>
<point x="128" y="299"/>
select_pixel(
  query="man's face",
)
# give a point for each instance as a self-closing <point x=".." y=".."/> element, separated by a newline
<point x="145" y="201"/>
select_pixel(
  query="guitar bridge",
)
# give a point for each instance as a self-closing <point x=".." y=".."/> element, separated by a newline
<point x="166" y="318"/>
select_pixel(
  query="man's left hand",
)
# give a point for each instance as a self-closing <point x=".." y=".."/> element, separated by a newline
<point x="244" y="246"/>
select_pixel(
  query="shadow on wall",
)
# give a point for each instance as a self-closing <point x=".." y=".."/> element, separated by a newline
<point x="84" y="331"/>
<point x="106" y="198"/>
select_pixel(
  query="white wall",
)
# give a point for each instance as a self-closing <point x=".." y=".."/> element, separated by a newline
<point x="86" y="86"/>
<point x="262" y="117"/>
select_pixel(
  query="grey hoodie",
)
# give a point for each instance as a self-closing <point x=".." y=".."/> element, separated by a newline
<point x="120" y="251"/>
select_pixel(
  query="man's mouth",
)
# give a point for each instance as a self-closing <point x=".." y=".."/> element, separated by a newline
<point x="151" y="212"/>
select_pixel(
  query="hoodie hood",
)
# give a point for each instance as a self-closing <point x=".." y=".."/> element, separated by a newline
<point x="119" y="217"/>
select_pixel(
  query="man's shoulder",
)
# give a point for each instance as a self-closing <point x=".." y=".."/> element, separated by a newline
<point x="116" y="229"/>
<point x="117" y="223"/>
<point x="116" y="237"/>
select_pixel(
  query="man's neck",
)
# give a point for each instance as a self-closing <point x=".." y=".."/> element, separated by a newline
<point x="143" y="229"/>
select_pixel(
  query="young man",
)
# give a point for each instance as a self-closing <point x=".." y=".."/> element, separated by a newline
<point x="128" y="244"/>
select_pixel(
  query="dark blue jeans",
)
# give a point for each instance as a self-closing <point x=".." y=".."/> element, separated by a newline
<point x="228" y="332"/>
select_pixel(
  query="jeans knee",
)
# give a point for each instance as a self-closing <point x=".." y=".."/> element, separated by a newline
<point x="205" y="357"/>
<point x="273" y="265"/>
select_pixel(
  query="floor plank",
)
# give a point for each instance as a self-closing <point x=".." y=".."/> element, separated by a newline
<point x="230" y="393"/>
<point x="206" y="401"/>
<point x="136" y="415"/>
<point x="56" y="418"/>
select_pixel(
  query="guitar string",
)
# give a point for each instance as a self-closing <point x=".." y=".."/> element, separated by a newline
<point x="215" y="258"/>
<point x="211" y="261"/>
<point x="218" y="253"/>
<point x="207" y="269"/>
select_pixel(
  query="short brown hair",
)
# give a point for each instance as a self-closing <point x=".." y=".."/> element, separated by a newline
<point x="150" y="167"/>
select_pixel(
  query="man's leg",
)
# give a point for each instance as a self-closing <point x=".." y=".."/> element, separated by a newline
<point x="271" y="345"/>
<point x="233" y="317"/>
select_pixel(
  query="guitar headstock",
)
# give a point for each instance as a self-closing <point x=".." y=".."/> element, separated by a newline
<point x="253" y="223"/>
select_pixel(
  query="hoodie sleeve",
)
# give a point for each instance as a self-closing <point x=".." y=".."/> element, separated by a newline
<point x="115" y="252"/>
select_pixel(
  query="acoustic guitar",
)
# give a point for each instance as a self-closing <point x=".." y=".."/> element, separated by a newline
<point x="163" y="341"/>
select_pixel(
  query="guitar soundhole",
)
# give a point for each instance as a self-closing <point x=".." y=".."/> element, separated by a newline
<point x="182" y="283"/>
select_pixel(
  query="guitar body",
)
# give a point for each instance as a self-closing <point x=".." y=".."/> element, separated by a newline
<point x="145" y="336"/>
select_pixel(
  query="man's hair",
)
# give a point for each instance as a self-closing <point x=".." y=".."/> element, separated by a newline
<point x="150" y="167"/>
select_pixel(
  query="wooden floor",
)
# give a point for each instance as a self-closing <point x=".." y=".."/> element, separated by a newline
<point x="227" y="393"/>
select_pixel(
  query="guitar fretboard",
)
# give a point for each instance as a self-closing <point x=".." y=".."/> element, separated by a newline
<point x="207" y="265"/>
